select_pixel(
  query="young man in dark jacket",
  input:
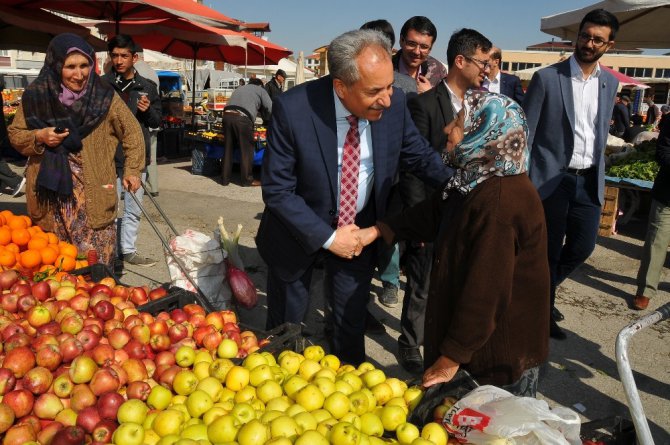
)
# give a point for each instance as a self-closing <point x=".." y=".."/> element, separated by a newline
<point x="141" y="96"/>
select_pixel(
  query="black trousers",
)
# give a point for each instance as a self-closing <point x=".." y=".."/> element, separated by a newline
<point x="238" y="132"/>
<point x="7" y="177"/>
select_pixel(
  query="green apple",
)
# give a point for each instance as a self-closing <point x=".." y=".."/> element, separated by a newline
<point x="422" y="441"/>
<point x="359" y="403"/>
<point x="246" y="394"/>
<point x="343" y="387"/>
<point x="219" y="368"/>
<point x="224" y="429"/>
<point x="330" y="361"/>
<point x="314" y="353"/>
<point x="150" y="437"/>
<point x="149" y="421"/>
<point x="365" y="367"/>
<point x="198" y="403"/>
<point x="168" y="440"/>
<point x="254" y="360"/>
<point x="132" y="411"/>
<point x="294" y="384"/>
<point x="260" y="373"/>
<point x="183" y="441"/>
<point x="352" y="419"/>
<point x="398" y="401"/>
<point x="168" y="422"/>
<point x="185" y="356"/>
<point x="373" y="377"/>
<point x="183" y="410"/>
<point x="295" y="409"/>
<point x="371" y="399"/>
<point x="203" y="355"/>
<point x="326" y="373"/>
<point x="382" y="392"/>
<point x="185" y="382"/>
<point x="269" y="358"/>
<point x="344" y="433"/>
<point x="398" y="386"/>
<point x="284" y="426"/>
<point x="243" y="412"/>
<point x="290" y="362"/>
<point x="392" y="417"/>
<point x="337" y="404"/>
<point x="311" y="438"/>
<point x="212" y="387"/>
<point x="280" y="403"/>
<point x="406" y="433"/>
<point x="310" y="397"/>
<point x="325" y="426"/>
<point x="227" y="395"/>
<point x="237" y="378"/>
<point x="213" y="413"/>
<point x="201" y="370"/>
<point x="279" y="441"/>
<point x="269" y="416"/>
<point x="253" y="433"/>
<point x="159" y="397"/>
<point x="305" y="421"/>
<point x="258" y="406"/>
<point x="321" y="415"/>
<point x="435" y="433"/>
<point x="371" y="425"/>
<point x="325" y="385"/>
<point x="352" y="379"/>
<point x="308" y="368"/>
<point x="413" y="396"/>
<point x="279" y="374"/>
<point x="128" y="434"/>
<point x="195" y="432"/>
<point x="227" y="348"/>
<point x="268" y="390"/>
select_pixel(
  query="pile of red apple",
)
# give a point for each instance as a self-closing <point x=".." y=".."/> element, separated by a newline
<point x="72" y="351"/>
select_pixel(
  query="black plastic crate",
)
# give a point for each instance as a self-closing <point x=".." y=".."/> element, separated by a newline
<point x="96" y="272"/>
<point x="176" y="298"/>
<point x="283" y="337"/>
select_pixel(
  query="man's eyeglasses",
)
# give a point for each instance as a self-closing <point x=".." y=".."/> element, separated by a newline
<point x="482" y="64"/>
<point x="597" y="41"/>
<point x="412" y="45"/>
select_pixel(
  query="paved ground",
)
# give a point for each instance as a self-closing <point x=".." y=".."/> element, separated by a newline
<point x="581" y="372"/>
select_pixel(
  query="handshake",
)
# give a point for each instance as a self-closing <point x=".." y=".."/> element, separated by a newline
<point x="350" y="240"/>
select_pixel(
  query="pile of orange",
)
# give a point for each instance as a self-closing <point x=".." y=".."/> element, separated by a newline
<point x="26" y="246"/>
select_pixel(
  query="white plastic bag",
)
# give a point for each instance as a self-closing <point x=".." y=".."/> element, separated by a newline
<point x="490" y="415"/>
<point x="203" y="258"/>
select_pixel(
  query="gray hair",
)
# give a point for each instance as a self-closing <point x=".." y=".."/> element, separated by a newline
<point x="344" y="49"/>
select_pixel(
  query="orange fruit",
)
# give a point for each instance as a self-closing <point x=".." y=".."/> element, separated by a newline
<point x="48" y="269"/>
<point x="81" y="263"/>
<point x="12" y="247"/>
<point x="26" y="218"/>
<point x="2" y="220"/>
<point x="49" y="254"/>
<point x="67" y="249"/>
<point x="16" y="222"/>
<point x="7" y="258"/>
<point x="6" y="214"/>
<point x="5" y="236"/>
<point x="65" y="262"/>
<point x="37" y="243"/>
<point x="20" y="237"/>
<point x="31" y="258"/>
<point x="52" y="238"/>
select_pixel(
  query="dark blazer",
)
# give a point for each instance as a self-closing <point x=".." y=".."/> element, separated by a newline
<point x="661" y="190"/>
<point x="300" y="178"/>
<point x="550" y="113"/>
<point x="510" y="86"/>
<point x="431" y="111"/>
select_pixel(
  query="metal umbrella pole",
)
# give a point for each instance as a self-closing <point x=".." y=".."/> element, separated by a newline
<point x="626" y="374"/>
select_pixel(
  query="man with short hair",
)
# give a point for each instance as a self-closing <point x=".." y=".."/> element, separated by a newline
<point x="141" y="96"/>
<point x="568" y="106"/>
<point x="334" y="149"/>
<point x="620" y="117"/>
<point x="468" y="59"/>
<point x="502" y="83"/>
<point x="653" y="113"/>
<point x="417" y="37"/>
<point x="276" y="85"/>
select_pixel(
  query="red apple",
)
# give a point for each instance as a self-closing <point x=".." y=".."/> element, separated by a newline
<point x="103" y="354"/>
<point x="19" y="360"/>
<point x="121" y="291"/>
<point x="8" y="278"/>
<point x="200" y="333"/>
<point x="109" y="403"/>
<point x="52" y="328"/>
<point x="104" y="310"/>
<point x="88" y="339"/>
<point x="41" y="290"/>
<point x="101" y="288"/>
<point x="20" y="435"/>
<point x="110" y="325"/>
<point x="164" y="358"/>
<point x="229" y="326"/>
<point x="197" y="320"/>
<point x="47" y="406"/>
<point x="135" y="369"/>
<point x="211" y="341"/>
<point x="120" y="373"/>
<point x="70" y="349"/>
<point x="138" y="390"/>
<point x="150" y="365"/>
<point x="103" y="431"/>
<point x="131" y="321"/>
<point x="11" y="329"/>
<point x="141" y="332"/>
<point x="119" y="338"/>
<point x="70" y="435"/>
<point x="81" y="397"/>
<point x="20" y="401"/>
<point x="49" y="356"/>
<point x="178" y="315"/>
<point x="191" y="309"/>
<point x="228" y="316"/>
<point x="7" y="381"/>
<point x="146" y="318"/>
<point x="233" y="335"/>
<point x="160" y="342"/>
<point x="176" y="332"/>
<point x="157" y="293"/>
<point x="158" y="327"/>
<point x="81" y="301"/>
<point x="9" y="302"/>
<point x="21" y="288"/>
<point x="168" y="375"/>
<point x="25" y="302"/>
<point x="138" y="295"/>
<point x="135" y="349"/>
<point x="104" y="380"/>
<point x="215" y="319"/>
<point x="72" y="324"/>
<point x="94" y="322"/>
<point x="88" y="418"/>
<point x="46" y="435"/>
<point x="37" y="380"/>
<point x="16" y="341"/>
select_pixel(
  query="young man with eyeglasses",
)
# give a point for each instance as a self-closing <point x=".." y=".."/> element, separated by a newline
<point x="468" y="59"/>
<point x="417" y="37"/>
<point x="568" y="106"/>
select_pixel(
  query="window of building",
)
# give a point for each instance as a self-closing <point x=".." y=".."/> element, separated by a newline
<point x="633" y="71"/>
<point x="663" y="73"/>
<point x="4" y="53"/>
<point x="518" y="66"/>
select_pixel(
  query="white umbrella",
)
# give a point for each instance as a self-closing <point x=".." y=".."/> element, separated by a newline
<point x="300" y="69"/>
<point x="643" y="23"/>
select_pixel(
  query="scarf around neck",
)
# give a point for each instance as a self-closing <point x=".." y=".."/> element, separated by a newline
<point x="46" y="104"/>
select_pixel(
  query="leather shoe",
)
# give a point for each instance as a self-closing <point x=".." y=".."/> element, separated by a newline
<point x="555" y="331"/>
<point x="556" y="314"/>
<point x="640" y="302"/>
<point x="410" y="359"/>
<point x="254" y="183"/>
<point x="373" y="326"/>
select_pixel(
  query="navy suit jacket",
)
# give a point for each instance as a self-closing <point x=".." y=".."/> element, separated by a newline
<point x="300" y="177"/>
<point x="510" y="86"/>
<point x="550" y="112"/>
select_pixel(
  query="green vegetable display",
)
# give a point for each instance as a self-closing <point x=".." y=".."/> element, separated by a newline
<point x="641" y="164"/>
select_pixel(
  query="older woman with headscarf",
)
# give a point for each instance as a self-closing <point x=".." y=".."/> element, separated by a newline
<point x="488" y="301"/>
<point x="69" y="124"/>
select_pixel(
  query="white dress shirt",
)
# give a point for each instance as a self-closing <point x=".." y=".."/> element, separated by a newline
<point x="585" y="97"/>
<point x="493" y="85"/>
<point x="456" y="102"/>
<point x="366" y="169"/>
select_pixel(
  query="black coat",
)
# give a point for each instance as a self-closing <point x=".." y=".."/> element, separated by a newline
<point x="621" y="118"/>
<point x="661" y="190"/>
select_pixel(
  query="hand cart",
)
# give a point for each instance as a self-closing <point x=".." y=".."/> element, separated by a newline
<point x="626" y="374"/>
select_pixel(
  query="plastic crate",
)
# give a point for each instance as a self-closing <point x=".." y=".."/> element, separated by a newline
<point x="203" y="165"/>
<point x="283" y="337"/>
<point x="176" y="298"/>
<point x="96" y="272"/>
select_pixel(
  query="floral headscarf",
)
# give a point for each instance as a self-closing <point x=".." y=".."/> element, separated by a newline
<point x="495" y="141"/>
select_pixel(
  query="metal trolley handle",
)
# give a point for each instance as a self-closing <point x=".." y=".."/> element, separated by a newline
<point x="626" y="374"/>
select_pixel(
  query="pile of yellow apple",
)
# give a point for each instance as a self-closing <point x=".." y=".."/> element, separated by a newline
<point x="301" y="399"/>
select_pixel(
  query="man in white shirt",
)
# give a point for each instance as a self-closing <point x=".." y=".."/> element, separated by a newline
<point x="502" y="83"/>
<point x="568" y="106"/>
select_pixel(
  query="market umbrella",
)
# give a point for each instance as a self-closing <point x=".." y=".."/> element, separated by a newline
<point x="643" y="23"/>
<point x="300" y="69"/>
<point x="118" y="10"/>
<point x="187" y="39"/>
<point x="33" y="31"/>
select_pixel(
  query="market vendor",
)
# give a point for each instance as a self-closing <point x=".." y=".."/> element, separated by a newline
<point x="69" y="124"/>
<point x="488" y="302"/>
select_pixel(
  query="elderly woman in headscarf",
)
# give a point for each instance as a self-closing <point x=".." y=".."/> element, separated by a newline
<point x="69" y="124"/>
<point x="488" y="301"/>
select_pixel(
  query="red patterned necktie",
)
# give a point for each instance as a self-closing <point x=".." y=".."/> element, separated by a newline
<point x="351" y="158"/>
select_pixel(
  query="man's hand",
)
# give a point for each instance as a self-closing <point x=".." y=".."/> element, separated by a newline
<point x="422" y="84"/>
<point x="143" y="103"/>
<point x="369" y="235"/>
<point x="443" y="370"/>
<point x="131" y="183"/>
<point x="346" y="243"/>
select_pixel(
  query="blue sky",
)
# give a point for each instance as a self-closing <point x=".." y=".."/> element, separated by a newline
<point x="306" y="25"/>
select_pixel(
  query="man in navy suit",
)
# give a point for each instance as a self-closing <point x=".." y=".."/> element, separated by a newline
<point x="568" y="106"/>
<point x="502" y="83"/>
<point x="311" y="124"/>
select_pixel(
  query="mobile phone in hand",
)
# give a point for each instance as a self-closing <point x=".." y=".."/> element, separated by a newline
<point x="60" y="130"/>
